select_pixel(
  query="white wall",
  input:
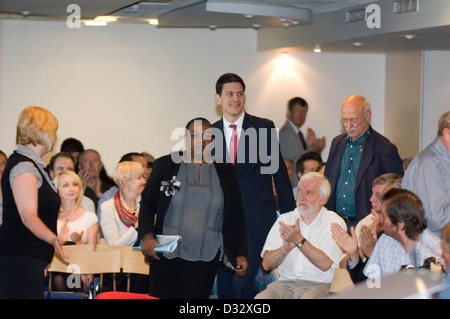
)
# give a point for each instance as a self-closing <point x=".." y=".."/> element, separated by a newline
<point x="124" y="88"/>
<point x="436" y="96"/>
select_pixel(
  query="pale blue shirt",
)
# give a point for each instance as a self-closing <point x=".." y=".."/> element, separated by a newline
<point x="428" y="176"/>
<point x="388" y="256"/>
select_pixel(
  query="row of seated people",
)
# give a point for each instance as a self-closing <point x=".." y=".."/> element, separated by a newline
<point x="125" y="202"/>
<point x="79" y="220"/>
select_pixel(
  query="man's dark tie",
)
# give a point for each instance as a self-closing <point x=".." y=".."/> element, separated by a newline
<point x="302" y="139"/>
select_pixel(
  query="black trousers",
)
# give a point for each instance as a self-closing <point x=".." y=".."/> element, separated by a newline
<point x="21" y="277"/>
<point x="182" y="279"/>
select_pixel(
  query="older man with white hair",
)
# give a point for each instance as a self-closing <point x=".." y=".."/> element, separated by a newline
<point x="300" y="244"/>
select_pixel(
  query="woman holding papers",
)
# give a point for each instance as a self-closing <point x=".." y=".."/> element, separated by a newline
<point x="191" y="196"/>
<point x="119" y="219"/>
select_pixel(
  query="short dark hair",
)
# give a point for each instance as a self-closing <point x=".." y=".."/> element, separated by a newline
<point x="51" y="164"/>
<point x="228" y="78"/>
<point x="128" y="157"/>
<point x="71" y="145"/>
<point x="296" y="100"/>
<point x="404" y="206"/>
<point x="197" y="119"/>
<point x="308" y="156"/>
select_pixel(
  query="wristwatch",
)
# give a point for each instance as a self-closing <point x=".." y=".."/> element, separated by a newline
<point x="301" y="243"/>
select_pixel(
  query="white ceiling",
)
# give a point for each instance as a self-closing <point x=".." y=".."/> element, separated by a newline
<point x="262" y="15"/>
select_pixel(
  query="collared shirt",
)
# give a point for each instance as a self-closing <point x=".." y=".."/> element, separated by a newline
<point x="295" y="128"/>
<point x="228" y="131"/>
<point x="346" y="184"/>
<point x="27" y="167"/>
<point x="388" y="256"/>
<point x="318" y="233"/>
<point x="428" y="176"/>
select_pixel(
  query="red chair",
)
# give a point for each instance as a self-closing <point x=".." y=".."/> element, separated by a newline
<point x="122" y="295"/>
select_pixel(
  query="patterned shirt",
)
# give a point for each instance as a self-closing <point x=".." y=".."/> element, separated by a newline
<point x="345" y="193"/>
<point x="389" y="256"/>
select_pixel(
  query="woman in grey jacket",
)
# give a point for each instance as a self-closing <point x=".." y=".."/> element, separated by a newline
<point x="200" y="200"/>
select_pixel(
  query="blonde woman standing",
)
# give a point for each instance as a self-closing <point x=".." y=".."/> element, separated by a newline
<point x="30" y="209"/>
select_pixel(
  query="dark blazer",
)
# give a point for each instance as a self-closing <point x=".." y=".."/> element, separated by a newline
<point x="154" y="205"/>
<point x="257" y="188"/>
<point x="379" y="157"/>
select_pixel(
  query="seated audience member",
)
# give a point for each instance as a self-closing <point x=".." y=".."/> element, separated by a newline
<point x="95" y="179"/>
<point x="308" y="162"/>
<point x="321" y="168"/>
<point x="290" y="168"/>
<point x="119" y="222"/>
<point x="445" y="246"/>
<point x="62" y="162"/>
<point x="406" y="239"/>
<point x="75" y="225"/>
<point x="362" y="238"/>
<point x="428" y="176"/>
<point x="131" y="157"/>
<point x="303" y="237"/>
<point x="149" y="158"/>
<point x="74" y="147"/>
<point x="3" y="161"/>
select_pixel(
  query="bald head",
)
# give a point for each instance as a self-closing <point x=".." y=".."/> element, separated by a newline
<point x="355" y="115"/>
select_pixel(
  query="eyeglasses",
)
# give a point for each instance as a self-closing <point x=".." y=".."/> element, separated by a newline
<point x="352" y="121"/>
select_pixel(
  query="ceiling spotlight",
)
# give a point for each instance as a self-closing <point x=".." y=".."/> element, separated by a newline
<point x="105" y="18"/>
<point x="357" y="44"/>
<point x="317" y="49"/>
<point x="409" y="36"/>
<point x="283" y="19"/>
<point x="295" y="22"/>
<point x="153" y="21"/>
<point x="248" y="16"/>
<point x="256" y="26"/>
<point x="212" y="27"/>
<point x="94" y="23"/>
<point x="286" y="24"/>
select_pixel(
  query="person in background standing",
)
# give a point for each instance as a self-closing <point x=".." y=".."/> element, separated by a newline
<point x="428" y="176"/>
<point x="246" y="134"/>
<point x="293" y="142"/>
<point x="356" y="158"/>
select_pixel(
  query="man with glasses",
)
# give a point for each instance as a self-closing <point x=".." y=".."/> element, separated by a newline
<point x="356" y="158"/>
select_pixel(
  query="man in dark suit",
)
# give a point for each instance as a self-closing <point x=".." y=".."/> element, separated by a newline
<point x="356" y="158"/>
<point x="258" y="161"/>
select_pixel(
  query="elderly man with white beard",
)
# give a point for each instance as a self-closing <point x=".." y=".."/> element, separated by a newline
<point x="301" y="245"/>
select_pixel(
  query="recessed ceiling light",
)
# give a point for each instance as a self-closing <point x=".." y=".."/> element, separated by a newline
<point x="153" y="21"/>
<point x="357" y="44"/>
<point x="409" y="36"/>
<point x="317" y="49"/>
<point x="94" y="23"/>
<point x="106" y="18"/>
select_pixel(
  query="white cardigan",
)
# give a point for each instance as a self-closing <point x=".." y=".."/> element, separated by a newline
<point x="116" y="233"/>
